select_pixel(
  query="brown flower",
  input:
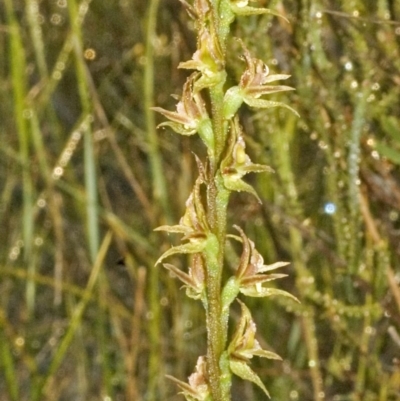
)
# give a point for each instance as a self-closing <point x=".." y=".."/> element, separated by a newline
<point x="190" y="110"/>
<point x="244" y="346"/>
<point x="254" y="83"/>
<point x="197" y="389"/>
<point x="208" y="59"/>
<point x="194" y="280"/>
<point x="237" y="163"/>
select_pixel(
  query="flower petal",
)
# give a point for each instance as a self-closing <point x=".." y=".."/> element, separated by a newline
<point x="172" y="115"/>
<point x="246" y="252"/>
<point x="178" y="128"/>
<point x="266" y="89"/>
<point x="185" y="278"/>
<point x="236" y="184"/>
<point x="262" y="353"/>
<point x="247" y="10"/>
<point x="273" y="266"/>
<point x="243" y="370"/>
<point x="267" y="104"/>
<point x="197" y="389"/>
<point x="179" y="228"/>
<point x="186" y="388"/>
<point x="190" y="247"/>
<point x="256" y="168"/>
<point x="265" y="292"/>
<point x="259" y="279"/>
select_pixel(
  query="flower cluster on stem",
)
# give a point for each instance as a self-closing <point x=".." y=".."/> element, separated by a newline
<point x="203" y="226"/>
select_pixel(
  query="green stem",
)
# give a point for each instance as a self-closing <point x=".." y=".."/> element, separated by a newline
<point x="216" y="326"/>
<point x="158" y="177"/>
<point x="160" y="195"/>
<point x="35" y="28"/>
<point x="217" y="202"/>
<point x="22" y="113"/>
<point x="77" y="14"/>
<point x="219" y="124"/>
<point x="353" y="161"/>
<point x="213" y="313"/>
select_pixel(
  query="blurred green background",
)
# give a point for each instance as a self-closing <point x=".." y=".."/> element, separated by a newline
<point x="85" y="178"/>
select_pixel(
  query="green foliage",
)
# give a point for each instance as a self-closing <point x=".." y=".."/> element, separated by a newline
<point x="86" y="176"/>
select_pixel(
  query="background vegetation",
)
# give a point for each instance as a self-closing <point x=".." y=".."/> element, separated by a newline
<point x="85" y="178"/>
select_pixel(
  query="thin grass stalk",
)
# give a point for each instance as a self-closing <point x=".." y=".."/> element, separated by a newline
<point x="76" y="16"/>
<point x="382" y="254"/>
<point x="75" y="321"/>
<point x="132" y="388"/>
<point x="353" y="162"/>
<point x="314" y="364"/>
<point x="19" y="273"/>
<point x="362" y="363"/>
<point x="383" y="390"/>
<point x="131" y="178"/>
<point x="18" y="74"/>
<point x="35" y="28"/>
<point x="159" y="185"/>
<point x="7" y="364"/>
<point x="56" y="74"/>
<point x="304" y="280"/>
<point x="160" y="195"/>
<point x="53" y="201"/>
<point x="114" y="222"/>
<point x="82" y="363"/>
